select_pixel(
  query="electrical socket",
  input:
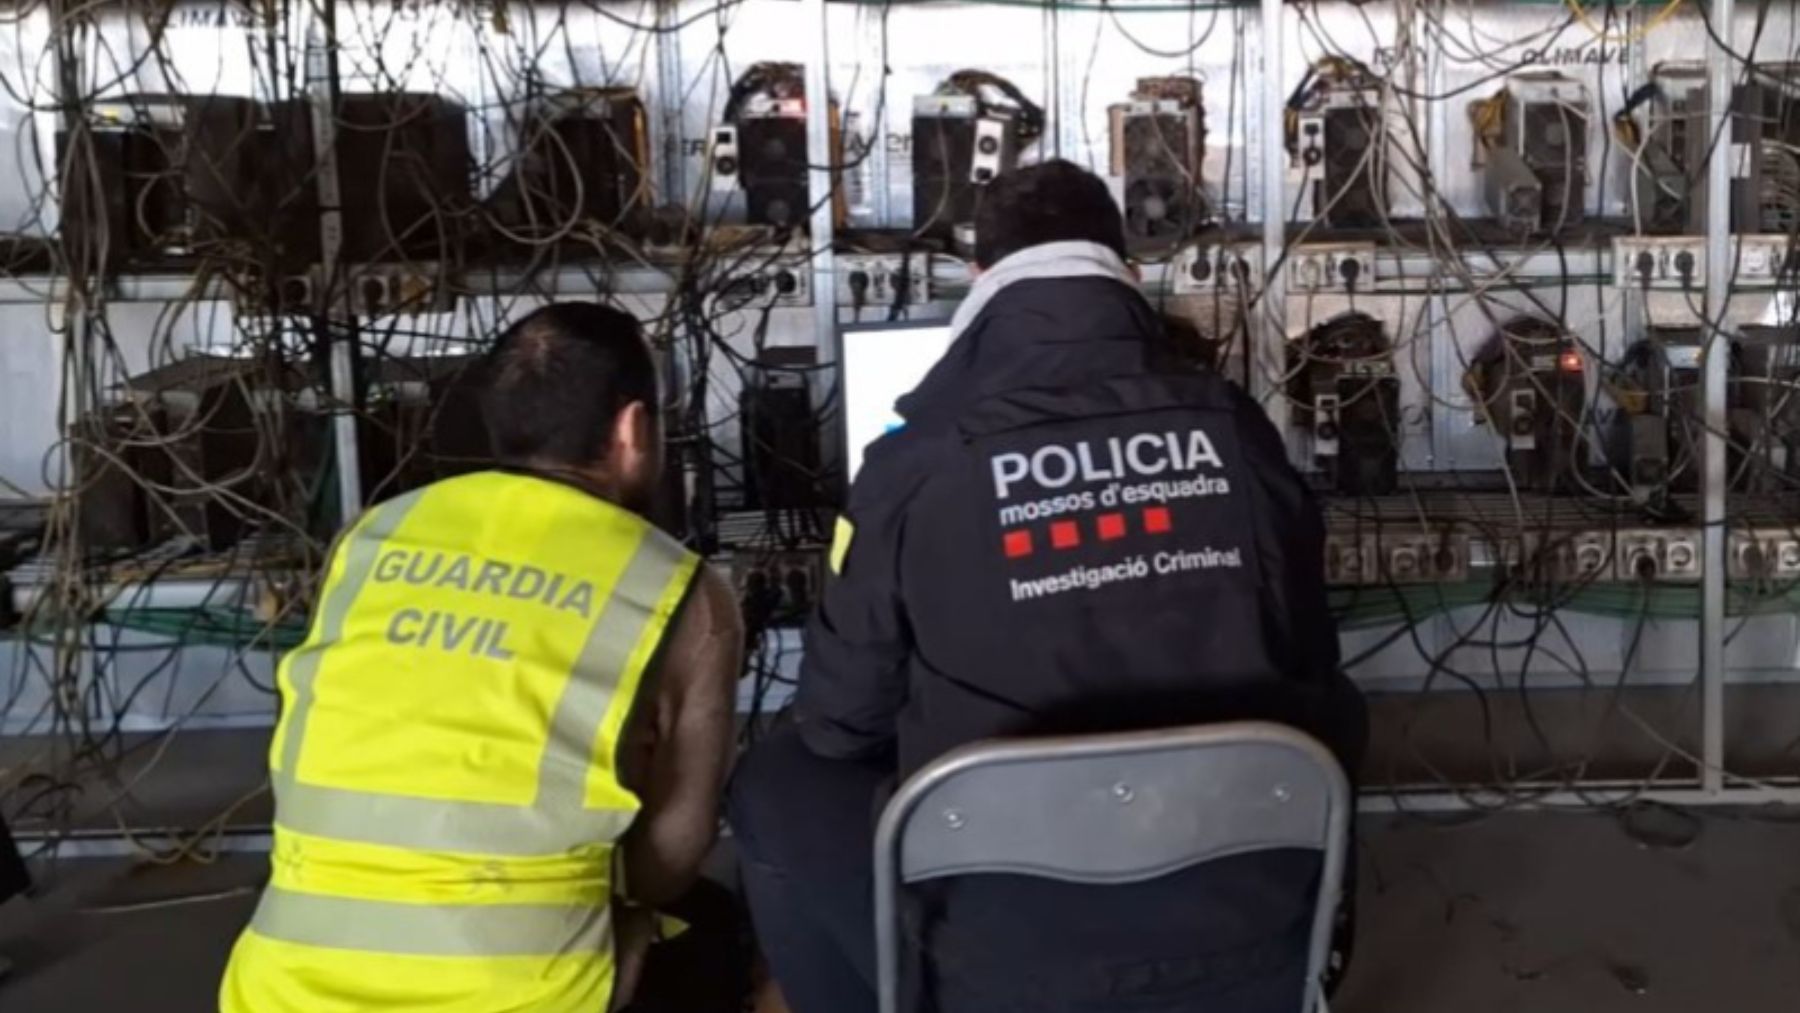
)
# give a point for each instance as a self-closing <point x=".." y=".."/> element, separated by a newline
<point x="778" y="583"/>
<point x="379" y="290"/>
<point x="1339" y="267"/>
<point x="1568" y="557"/>
<point x="1660" y="262"/>
<point x="289" y="295"/>
<point x="1347" y="561"/>
<point x="1658" y="555"/>
<point x="1226" y="267"/>
<point x="1765" y="261"/>
<point x="781" y="278"/>
<point x="1500" y="556"/>
<point x="873" y="280"/>
<point x="791" y="284"/>
<point x="1768" y="554"/>
<point x="1759" y="262"/>
<point x="1423" y="558"/>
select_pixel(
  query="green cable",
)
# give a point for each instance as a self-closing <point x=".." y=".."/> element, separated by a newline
<point x="1358" y="608"/>
<point x="204" y="627"/>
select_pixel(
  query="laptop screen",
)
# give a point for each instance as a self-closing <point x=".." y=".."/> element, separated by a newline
<point x="880" y="364"/>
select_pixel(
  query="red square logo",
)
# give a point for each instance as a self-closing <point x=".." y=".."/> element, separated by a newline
<point x="1112" y="527"/>
<point x="1017" y="543"/>
<point x="1156" y="520"/>
<point x="1065" y="534"/>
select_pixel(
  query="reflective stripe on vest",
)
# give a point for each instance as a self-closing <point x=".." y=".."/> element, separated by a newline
<point x="617" y="647"/>
<point x="431" y="930"/>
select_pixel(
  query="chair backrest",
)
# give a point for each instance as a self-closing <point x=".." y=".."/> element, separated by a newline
<point x="1116" y="808"/>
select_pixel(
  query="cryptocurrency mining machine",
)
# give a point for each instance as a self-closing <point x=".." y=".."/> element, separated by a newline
<point x="582" y="169"/>
<point x="1346" y="394"/>
<point x="972" y="128"/>
<point x="1534" y="138"/>
<point x="1528" y="383"/>
<point x="761" y="145"/>
<point x="1337" y="147"/>
<point x="1158" y="144"/>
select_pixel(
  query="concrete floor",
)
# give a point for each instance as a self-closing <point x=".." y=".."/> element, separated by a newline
<point x="1573" y="914"/>
<point x="1548" y="913"/>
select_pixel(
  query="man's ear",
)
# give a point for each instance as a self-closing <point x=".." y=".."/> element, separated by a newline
<point x="974" y="271"/>
<point x="633" y="434"/>
<point x="1136" y="269"/>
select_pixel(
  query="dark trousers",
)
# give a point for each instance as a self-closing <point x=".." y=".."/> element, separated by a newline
<point x="805" y="834"/>
<point x="1227" y="936"/>
<point x="705" y="969"/>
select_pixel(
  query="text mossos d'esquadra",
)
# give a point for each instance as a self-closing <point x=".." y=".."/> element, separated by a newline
<point x="1143" y="468"/>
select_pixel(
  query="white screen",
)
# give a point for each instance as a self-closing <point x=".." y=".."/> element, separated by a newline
<point x="880" y="365"/>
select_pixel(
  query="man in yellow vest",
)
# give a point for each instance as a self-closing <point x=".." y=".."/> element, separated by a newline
<point x="502" y="744"/>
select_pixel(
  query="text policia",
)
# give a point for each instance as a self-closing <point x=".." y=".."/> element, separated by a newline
<point x="1120" y="460"/>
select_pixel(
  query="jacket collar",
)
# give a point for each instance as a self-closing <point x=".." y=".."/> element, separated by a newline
<point x="1048" y="260"/>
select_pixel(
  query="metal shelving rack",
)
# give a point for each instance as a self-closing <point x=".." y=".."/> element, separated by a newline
<point x="1712" y="786"/>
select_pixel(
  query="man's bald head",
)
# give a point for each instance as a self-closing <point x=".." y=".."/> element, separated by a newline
<point x="557" y="388"/>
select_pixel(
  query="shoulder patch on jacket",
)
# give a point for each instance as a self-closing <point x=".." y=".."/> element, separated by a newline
<point x="841" y="537"/>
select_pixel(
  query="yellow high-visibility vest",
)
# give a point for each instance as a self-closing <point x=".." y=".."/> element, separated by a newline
<point x="447" y="795"/>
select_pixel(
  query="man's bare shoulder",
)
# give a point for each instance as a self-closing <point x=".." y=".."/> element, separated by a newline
<point x="708" y="640"/>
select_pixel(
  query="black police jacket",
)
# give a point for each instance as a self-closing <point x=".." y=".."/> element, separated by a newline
<point x="1065" y="537"/>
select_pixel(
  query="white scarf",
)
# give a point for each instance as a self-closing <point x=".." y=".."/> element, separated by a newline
<point x="1078" y="259"/>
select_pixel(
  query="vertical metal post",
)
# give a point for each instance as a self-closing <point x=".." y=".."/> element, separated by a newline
<point x="673" y="164"/>
<point x="877" y="131"/>
<point x="819" y="177"/>
<point x="1271" y="347"/>
<point x="823" y="161"/>
<point x="322" y="95"/>
<point x="1634" y="313"/>
<point x="75" y="304"/>
<point x="1713" y="390"/>
<point x="1434" y="114"/>
<point x="1426" y="64"/>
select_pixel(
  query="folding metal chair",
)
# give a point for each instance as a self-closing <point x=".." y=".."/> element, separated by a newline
<point x="1113" y="809"/>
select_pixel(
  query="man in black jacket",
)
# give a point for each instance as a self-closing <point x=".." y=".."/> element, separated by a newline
<point x="1066" y="536"/>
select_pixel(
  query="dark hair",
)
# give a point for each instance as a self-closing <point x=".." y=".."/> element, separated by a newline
<point x="1051" y="202"/>
<point x="553" y="384"/>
